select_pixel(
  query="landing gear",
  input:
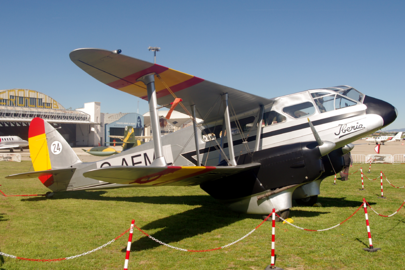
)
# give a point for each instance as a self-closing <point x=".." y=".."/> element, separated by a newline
<point x="309" y="201"/>
<point x="49" y="195"/>
<point x="11" y="150"/>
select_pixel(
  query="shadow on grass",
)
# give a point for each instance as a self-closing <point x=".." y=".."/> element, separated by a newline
<point x="208" y="215"/>
<point x="98" y="196"/>
<point x="1" y="261"/>
<point x="184" y="225"/>
<point x="2" y="217"/>
<point x="359" y="240"/>
<point x="339" y="202"/>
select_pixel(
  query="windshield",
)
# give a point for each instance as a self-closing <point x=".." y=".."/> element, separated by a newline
<point x="340" y="97"/>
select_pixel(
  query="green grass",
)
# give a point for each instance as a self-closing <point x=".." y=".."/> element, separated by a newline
<point x="186" y="217"/>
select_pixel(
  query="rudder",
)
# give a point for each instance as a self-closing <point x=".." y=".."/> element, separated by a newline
<point x="48" y="149"/>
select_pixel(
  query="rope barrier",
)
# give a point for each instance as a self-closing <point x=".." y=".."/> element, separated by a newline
<point x="66" y="258"/>
<point x="385" y="215"/>
<point x="204" y="250"/>
<point x="390" y="182"/>
<point x="321" y="230"/>
<point x="28" y="195"/>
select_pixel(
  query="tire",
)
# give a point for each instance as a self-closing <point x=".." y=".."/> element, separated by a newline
<point x="309" y="201"/>
<point x="284" y="214"/>
<point x="49" y="195"/>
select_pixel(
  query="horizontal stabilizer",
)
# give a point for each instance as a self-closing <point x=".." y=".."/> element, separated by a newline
<point x="40" y="173"/>
<point x="167" y="175"/>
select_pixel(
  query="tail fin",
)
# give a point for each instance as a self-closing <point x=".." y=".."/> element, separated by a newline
<point x="49" y="150"/>
<point x="398" y="136"/>
<point x="129" y="140"/>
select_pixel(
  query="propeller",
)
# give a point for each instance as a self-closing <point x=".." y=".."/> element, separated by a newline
<point x="325" y="147"/>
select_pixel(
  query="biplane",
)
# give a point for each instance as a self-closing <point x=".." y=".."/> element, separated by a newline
<point x="250" y="153"/>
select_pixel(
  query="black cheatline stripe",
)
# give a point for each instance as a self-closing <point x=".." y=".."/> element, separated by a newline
<point x="189" y="155"/>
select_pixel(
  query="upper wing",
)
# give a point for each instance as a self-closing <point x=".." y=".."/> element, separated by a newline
<point x="122" y="72"/>
<point x="168" y="175"/>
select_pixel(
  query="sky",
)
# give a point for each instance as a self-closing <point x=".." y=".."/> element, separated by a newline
<point x="267" y="48"/>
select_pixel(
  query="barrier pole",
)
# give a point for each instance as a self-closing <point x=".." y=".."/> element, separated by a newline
<point x="382" y="188"/>
<point x="362" y="182"/>
<point x="273" y="241"/>
<point x="370" y="248"/>
<point x="369" y="167"/>
<point x="131" y="232"/>
<point x="334" y="181"/>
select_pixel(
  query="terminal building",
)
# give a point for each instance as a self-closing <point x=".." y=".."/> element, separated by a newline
<point x="86" y="126"/>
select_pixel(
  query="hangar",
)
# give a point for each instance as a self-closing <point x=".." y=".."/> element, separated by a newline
<point x="81" y="127"/>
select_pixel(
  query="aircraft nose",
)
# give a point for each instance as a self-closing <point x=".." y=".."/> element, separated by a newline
<point x="376" y="106"/>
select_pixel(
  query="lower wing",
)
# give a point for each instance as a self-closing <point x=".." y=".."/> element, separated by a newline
<point x="167" y="175"/>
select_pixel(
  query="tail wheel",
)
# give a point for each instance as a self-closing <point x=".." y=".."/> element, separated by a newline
<point x="49" y="195"/>
<point x="309" y="201"/>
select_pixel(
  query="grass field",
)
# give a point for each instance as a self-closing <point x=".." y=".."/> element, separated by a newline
<point x="76" y="222"/>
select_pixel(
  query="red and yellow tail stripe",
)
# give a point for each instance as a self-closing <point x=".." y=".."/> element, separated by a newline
<point x="39" y="149"/>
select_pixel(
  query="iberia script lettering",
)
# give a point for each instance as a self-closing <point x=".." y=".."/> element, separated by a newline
<point x="346" y="129"/>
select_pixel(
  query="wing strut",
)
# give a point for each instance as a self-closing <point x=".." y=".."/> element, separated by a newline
<point x="197" y="150"/>
<point x="259" y="128"/>
<point x="149" y="81"/>
<point x="229" y="132"/>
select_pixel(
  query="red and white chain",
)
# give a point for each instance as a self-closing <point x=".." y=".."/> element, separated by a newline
<point x="321" y="230"/>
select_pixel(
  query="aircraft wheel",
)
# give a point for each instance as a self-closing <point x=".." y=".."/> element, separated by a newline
<point x="49" y="195"/>
<point x="21" y="149"/>
<point x="309" y="201"/>
<point x="11" y="150"/>
<point x="284" y="214"/>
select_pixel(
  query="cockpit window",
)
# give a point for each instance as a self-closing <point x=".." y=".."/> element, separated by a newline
<point x="273" y="117"/>
<point x="300" y="110"/>
<point x="325" y="103"/>
<point x="353" y="94"/>
<point x="320" y="94"/>
<point x="342" y="102"/>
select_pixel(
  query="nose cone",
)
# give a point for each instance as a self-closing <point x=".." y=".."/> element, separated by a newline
<point x="381" y="108"/>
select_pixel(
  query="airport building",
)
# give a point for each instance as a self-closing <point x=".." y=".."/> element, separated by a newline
<point x="86" y="126"/>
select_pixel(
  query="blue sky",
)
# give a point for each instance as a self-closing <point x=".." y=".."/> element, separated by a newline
<point x="268" y="48"/>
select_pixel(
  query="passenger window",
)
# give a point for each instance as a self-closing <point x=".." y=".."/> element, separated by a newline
<point x="342" y="102"/>
<point x="210" y="134"/>
<point x="208" y="137"/>
<point x="272" y="117"/>
<point x="300" y="110"/>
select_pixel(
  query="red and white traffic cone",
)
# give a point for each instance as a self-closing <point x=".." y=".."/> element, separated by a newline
<point x="382" y="188"/>
<point x="370" y="248"/>
<point x="273" y="242"/>
<point x="131" y="232"/>
<point x="362" y="182"/>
